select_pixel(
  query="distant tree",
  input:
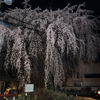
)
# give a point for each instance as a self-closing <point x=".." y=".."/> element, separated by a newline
<point x="55" y="43"/>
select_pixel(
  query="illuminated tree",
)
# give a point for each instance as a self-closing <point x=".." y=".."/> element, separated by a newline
<point x="58" y="42"/>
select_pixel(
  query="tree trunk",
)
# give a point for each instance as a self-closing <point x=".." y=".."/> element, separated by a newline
<point x="2" y="88"/>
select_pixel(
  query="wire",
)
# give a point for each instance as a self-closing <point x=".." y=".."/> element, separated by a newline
<point x="10" y="25"/>
<point x="3" y="15"/>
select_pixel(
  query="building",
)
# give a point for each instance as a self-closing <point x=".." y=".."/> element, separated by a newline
<point x="90" y="79"/>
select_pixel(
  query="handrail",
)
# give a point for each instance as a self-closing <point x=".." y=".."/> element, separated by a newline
<point x="8" y="95"/>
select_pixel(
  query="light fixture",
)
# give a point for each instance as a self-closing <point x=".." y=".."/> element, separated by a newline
<point x="8" y="2"/>
<point x="98" y="92"/>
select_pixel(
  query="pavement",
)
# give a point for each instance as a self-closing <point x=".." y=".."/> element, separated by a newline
<point x="85" y="98"/>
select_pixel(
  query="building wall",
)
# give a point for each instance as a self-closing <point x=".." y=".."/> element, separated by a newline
<point x="93" y="68"/>
<point x="89" y="69"/>
<point x="92" y="82"/>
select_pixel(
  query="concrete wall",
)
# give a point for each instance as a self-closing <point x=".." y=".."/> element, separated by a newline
<point x="77" y="88"/>
<point x="93" y="68"/>
<point x="91" y="82"/>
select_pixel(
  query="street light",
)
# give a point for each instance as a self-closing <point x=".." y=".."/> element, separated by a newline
<point x="8" y="2"/>
<point x="99" y="92"/>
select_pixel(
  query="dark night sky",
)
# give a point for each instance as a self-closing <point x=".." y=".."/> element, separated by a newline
<point x="90" y="4"/>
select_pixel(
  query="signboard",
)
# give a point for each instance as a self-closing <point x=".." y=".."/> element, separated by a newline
<point x="29" y="87"/>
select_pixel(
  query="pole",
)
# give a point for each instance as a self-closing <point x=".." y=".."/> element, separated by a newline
<point x="0" y="86"/>
<point x="76" y="97"/>
<point x="0" y="4"/>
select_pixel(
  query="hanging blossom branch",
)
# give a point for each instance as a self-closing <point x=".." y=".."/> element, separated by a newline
<point x="18" y="57"/>
<point x="3" y="31"/>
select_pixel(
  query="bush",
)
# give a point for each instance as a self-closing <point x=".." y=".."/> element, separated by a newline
<point x="59" y="96"/>
<point x="44" y="94"/>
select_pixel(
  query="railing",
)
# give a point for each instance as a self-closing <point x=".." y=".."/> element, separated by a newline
<point x="8" y="95"/>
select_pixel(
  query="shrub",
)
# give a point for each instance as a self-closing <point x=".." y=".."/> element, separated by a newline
<point x="44" y="94"/>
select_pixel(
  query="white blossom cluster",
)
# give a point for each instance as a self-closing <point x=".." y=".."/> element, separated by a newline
<point x="68" y="33"/>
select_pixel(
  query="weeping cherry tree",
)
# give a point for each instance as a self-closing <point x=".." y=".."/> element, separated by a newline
<point x="58" y="42"/>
